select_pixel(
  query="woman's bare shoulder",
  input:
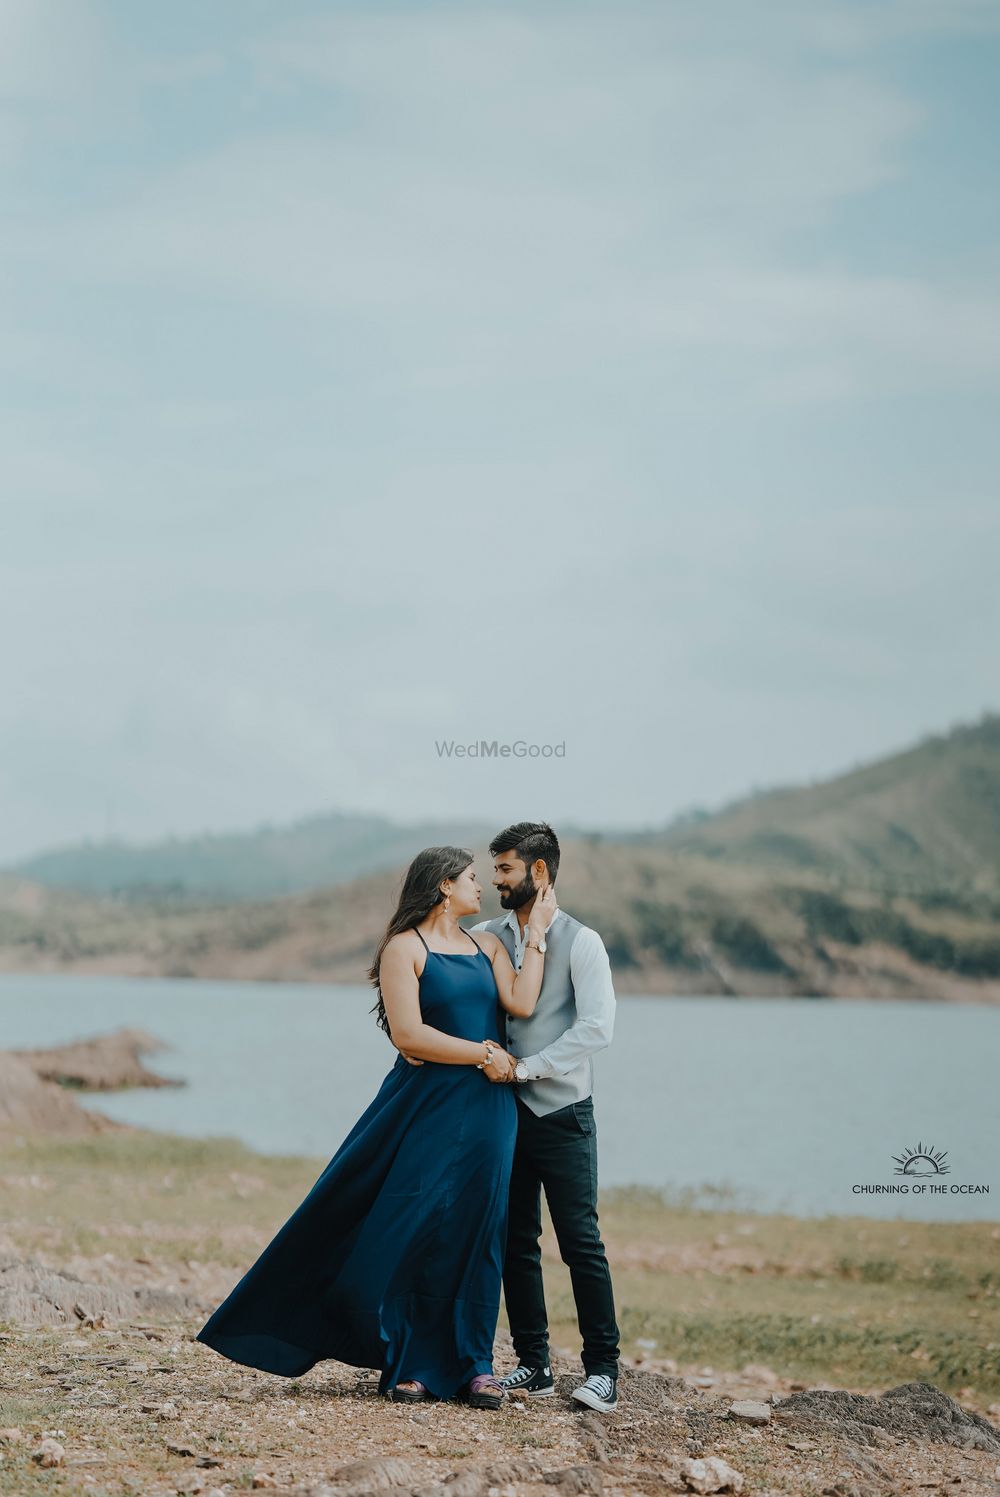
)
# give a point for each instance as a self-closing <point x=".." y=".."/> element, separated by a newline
<point x="404" y="943"/>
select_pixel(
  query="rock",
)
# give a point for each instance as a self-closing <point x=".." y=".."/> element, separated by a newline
<point x="711" y="1474"/>
<point x="33" y="1295"/>
<point x="760" y="1373"/>
<point x="379" y="1474"/>
<point x="576" y="1479"/>
<point x="261" y="1480"/>
<point x="469" y="1483"/>
<point x="11" y="1435"/>
<point x="48" y="1453"/>
<point x="750" y="1411"/>
<point x="503" y="1473"/>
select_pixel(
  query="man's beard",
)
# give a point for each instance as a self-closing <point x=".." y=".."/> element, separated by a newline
<point x="519" y="895"/>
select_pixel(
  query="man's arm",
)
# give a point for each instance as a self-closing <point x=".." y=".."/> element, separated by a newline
<point x="594" y="1025"/>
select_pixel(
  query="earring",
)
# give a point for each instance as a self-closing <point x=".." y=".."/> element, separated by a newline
<point x="447" y="903"/>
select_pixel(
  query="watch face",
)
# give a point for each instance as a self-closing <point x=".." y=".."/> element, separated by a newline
<point x="543" y="945"/>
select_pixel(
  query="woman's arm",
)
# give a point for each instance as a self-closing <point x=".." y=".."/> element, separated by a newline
<point x="519" y="990"/>
<point x="398" y="979"/>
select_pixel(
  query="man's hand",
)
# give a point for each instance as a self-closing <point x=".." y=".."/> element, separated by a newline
<point x="410" y="1059"/>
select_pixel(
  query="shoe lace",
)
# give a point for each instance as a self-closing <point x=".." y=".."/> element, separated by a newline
<point x="601" y="1384"/>
<point x="519" y="1375"/>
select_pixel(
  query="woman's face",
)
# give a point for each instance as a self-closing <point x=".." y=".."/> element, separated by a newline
<point x="466" y="893"/>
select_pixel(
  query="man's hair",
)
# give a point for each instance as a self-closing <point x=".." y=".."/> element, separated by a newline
<point x="530" y="840"/>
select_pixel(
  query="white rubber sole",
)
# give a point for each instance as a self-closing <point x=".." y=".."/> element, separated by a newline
<point x="583" y="1395"/>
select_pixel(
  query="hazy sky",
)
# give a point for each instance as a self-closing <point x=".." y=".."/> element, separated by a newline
<point x="623" y="375"/>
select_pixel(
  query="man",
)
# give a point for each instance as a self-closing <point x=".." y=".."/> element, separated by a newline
<point x="557" y="1134"/>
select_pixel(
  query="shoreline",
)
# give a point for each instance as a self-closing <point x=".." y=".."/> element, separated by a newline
<point x="963" y="993"/>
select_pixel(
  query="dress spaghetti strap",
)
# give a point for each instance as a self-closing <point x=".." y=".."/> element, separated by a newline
<point x="426" y="947"/>
<point x="473" y="940"/>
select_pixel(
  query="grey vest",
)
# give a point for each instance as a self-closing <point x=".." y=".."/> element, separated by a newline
<point x="554" y="1013"/>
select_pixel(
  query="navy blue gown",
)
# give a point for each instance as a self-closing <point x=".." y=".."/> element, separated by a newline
<point x="394" y="1259"/>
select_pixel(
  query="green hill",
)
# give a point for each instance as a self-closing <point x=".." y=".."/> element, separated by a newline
<point x="924" y="820"/>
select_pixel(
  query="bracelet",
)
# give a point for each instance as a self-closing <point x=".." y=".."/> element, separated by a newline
<point x="489" y="1056"/>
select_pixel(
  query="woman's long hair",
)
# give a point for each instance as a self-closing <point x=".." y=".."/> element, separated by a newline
<point x="418" y="896"/>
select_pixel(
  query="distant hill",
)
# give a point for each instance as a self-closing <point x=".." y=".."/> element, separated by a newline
<point x="313" y="853"/>
<point x="883" y="882"/>
<point x="672" y="923"/>
<point x="924" y="819"/>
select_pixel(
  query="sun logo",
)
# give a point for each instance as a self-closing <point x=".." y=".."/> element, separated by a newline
<point x="923" y="1160"/>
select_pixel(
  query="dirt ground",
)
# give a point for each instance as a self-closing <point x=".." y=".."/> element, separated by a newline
<point x="140" y="1407"/>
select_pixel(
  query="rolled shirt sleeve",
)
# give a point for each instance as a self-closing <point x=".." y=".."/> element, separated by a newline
<point x="593" y="1027"/>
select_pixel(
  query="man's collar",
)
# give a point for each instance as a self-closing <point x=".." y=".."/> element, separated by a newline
<point x="512" y="921"/>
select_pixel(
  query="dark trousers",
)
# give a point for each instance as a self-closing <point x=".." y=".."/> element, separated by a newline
<point x="559" y="1152"/>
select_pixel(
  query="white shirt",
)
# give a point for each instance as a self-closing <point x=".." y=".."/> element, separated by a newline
<point x="593" y="990"/>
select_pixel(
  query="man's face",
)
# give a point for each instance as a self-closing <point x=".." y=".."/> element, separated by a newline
<point x="512" y="880"/>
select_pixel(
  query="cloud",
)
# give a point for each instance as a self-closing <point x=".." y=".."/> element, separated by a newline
<point x="342" y="348"/>
<point x="486" y="193"/>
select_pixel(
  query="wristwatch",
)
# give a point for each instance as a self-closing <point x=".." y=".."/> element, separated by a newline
<point x="521" y="1071"/>
<point x="541" y="945"/>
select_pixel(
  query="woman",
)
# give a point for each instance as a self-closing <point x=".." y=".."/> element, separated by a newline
<point x="394" y="1258"/>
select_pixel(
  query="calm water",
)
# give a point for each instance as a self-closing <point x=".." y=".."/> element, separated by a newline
<point x="777" y="1105"/>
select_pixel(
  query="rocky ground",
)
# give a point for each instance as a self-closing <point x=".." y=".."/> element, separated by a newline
<point x="113" y="1397"/>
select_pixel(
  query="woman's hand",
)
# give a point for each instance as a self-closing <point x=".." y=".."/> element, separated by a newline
<point x="543" y="912"/>
<point x="410" y="1059"/>
<point x="501" y="1068"/>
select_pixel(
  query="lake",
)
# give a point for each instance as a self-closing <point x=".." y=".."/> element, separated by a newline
<point x="753" y="1104"/>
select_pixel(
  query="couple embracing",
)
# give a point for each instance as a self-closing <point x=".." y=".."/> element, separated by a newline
<point x="395" y="1258"/>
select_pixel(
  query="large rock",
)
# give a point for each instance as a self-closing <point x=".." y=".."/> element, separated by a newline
<point x="32" y="1295"/>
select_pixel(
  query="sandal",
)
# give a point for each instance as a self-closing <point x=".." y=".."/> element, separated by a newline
<point x="482" y="1392"/>
<point x="416" y="1394"/>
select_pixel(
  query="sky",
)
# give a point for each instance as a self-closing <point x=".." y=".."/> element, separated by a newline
<point x="620" y="376"/>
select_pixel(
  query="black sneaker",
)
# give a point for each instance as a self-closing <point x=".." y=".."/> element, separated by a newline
<point x="599" y="1391"/>
<point x="532" y="1382"/>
